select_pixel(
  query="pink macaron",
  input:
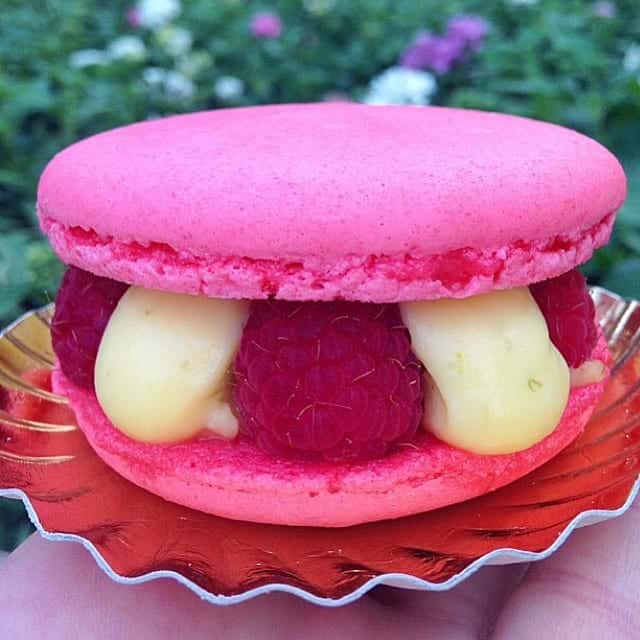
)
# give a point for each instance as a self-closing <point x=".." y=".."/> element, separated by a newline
<point x="328" y="202"/>
<point x="318" y="202"/>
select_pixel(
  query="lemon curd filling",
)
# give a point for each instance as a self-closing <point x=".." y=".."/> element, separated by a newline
<point x="495" y="382"/>
<point x="171" y="354"/>
<point x="498" y="384"/>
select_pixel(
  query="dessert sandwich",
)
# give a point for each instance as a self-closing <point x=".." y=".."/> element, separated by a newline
<point x="329" y="314"/>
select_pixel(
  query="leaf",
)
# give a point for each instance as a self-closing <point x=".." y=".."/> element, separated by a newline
<point x="630" y="212"/>
<point x="11" y="178"/>
<point x="14" y="524"/>
<point x="624" y="278"/>
<point x="44" y="272"/>
<point x="13" y="273"/>
<point x="631" y="239"/>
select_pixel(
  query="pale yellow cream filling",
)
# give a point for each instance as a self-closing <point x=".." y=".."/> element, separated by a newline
<point x="495" y="382"/>
<point x="162" y="367"/>
<point x="498" y="383"/>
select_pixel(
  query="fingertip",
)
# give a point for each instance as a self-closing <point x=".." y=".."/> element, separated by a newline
<point x="56" y="587"/>
<point x="587" y="589"/>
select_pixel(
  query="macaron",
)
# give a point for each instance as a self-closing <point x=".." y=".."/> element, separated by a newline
<point x="329" y="314"/>
<point x="318" y="202"/>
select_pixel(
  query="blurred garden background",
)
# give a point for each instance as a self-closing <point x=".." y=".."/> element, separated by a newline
<point x="70" y="68"/>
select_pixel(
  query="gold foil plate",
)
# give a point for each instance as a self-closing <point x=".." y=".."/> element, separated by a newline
<point x="135" y="536"/>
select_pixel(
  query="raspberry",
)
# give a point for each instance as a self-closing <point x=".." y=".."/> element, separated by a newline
<point x="333" y="381"/>
<point x="84" y="305"/>
<point x="570" y="314"/>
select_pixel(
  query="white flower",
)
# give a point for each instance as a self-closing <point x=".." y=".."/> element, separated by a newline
<point x="173" y="84"/>
<point x="398" y="85"/>
<point x="631" y="60"/>
<point x="154" y="14"/>
<point x="176" y="41"/>
<point x="228" y="88"/>
<point x="88" y="58"/>
<point x="154" y="76"/>
<point x="127" y="48"/>
<point x="177" y="86"/>
<point x="193" y="63"/>
<point x="318" y="7"/>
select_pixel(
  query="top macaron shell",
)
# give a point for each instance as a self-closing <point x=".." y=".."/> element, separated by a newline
<point x="332" y="200"/>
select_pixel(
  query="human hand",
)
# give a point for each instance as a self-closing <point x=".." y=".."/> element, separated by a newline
<point x="589" y="589"/>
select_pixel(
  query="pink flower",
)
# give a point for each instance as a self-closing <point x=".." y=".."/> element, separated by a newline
<point x="132" y="16"/>
<point x="266" y="25"/>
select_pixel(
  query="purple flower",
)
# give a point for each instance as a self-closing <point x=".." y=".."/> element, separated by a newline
<point x="132" y="17"/>
<point x="470" y="30"/>
<point x="433" y="52"/>
<point x="604" y="9"/>
<point x="440" y="53"/>
<point x="266" y="25"/>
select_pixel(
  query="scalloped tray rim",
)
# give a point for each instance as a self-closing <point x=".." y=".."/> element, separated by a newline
<point x="402" y="580"/>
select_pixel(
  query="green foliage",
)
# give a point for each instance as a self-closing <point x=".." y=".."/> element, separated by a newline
<point x="553" y="59"/>
<point x="14" y="525"/>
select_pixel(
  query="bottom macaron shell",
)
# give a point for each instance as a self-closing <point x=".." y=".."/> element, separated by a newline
<point x="236" y="480"/>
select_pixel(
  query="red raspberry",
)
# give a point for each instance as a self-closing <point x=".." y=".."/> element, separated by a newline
<point x="84" y="305"/>
<point x="332" y="381"/>
<point x="570" y="314"/>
